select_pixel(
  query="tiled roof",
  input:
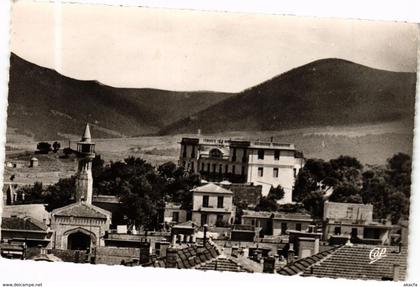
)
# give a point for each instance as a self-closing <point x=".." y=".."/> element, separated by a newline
<point x="223" y="264"/>
<point x="18" y="223"/>
<point x="351" y="262"/>
<point x="207" y="257"/>
<point x="82" y="209"/>
<point x="212" y="188"/>
<point x="299" y="266"/>
<point x="35" y="211"/>
<point x="191" y="256"/>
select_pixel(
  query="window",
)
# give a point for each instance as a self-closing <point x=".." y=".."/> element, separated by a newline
<point x="260" y="171"/>
<point x="234" y="154"/>
<point x="226" y="168"/>
<point x="175" y="216"/>
<point x="205" y="201"/>
<point x="215" y="153"/>
<point x="184" y="151"/>
<point x="294" y="172"/>
<point x="354" y="232"/>
<point x="349" y="213"/>
<point x="337" y="230"/>
<point x="233" y="169"/>
<point x="260" y="154"/>
<point x="276" y="154"/>
<point x="298" y="226"/>
<point x="203" y="219"/>
<point x="192" y="166"/>
<point x="220" y="169"/>
<point x="202" y="166"/>
<point x="214" y="168"/>
<point x="243" y="170"/>
<point x="219" y="220"/>
<point x="220" y="202"/>
<point x="283" y="228"/>
<point x="208" y="167"/>
<point x="193" y="152"/>
<point x="276" y="172"/>
<point x="244" y="159"/>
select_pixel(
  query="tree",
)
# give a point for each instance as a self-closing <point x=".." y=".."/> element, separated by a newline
<point x="54" y="196"/>
<point x="60" y="194"/>
<point x="388" y="188"/>
<point x="32" y="194"/>
<point x="56" y="146"/>
<point x="97" y="167"/>
<point x="314" y="203"/>
<point x="43" y="147"/>
<point x="399" y="206"/>
<point x="376" y="191"/>
<point x="167" y="170"/>
<point x="276" y="193"/>
<point x="399" y="172"/>
<point x="346" y="193"/>
<point x="266" y="204"/>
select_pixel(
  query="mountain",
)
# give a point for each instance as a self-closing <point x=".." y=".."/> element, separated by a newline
<point x="327" y="92"/>
<point x="47" y="105"/>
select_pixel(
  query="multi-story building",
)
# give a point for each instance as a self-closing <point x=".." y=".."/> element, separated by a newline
<point x="212" y="205"/>
<point x="277" y="223"/>
<point x="261" y="163"/>
<point x="354" y="221"/>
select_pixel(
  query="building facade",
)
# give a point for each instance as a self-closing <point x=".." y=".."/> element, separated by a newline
<point x="81" y="225"/>
<point x="212" y="205"/>
<point x="268" y="164"/>
<point x="277" y="223"/>
<point x="174" y="213"/>
<point x="354" y="221"/>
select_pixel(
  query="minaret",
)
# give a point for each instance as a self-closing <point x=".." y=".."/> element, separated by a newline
<point x="84" y="179"/>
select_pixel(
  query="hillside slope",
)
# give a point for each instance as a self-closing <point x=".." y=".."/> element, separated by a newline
<point x="46" y="105"/>
<point x="325" y="92"/>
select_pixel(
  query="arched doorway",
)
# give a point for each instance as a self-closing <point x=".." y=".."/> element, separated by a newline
<point x="78" y="241"/>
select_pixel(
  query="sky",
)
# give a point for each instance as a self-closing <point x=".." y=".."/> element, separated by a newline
<point x="194" y="50"/>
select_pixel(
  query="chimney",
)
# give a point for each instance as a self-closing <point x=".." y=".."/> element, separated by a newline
<point x="173" y="242"/>
<point x="396" y="272"/>
<point x="269" y="264"/>
<point x="205" y="233"/>
<point x="144" y="252"/>
<point x="316" y="247"/>
<point x="290" y="254"/>
<point x="171" y="257"/>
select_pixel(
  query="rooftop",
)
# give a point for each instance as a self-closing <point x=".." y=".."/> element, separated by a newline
<point x="212" y="188"/>
<point x="351" y="262"/>
<point x="81" y="209"/>
<point x="277" y="214"/>
<point x="239" y="143"/>
<point x="26" y="224"/>
<point x="191" y="256"/>
<point x="207" y="257"/>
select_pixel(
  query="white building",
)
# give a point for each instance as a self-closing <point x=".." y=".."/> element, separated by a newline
<point x="260" y="163"/>
<point x="212" y="205"/>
